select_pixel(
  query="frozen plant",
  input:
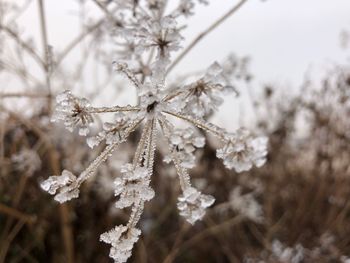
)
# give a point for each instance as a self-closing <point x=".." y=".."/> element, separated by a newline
<point x="192" y="204"/>
<point x="243" y="150"/>
<point x="73" y="112"/>
<point x="122" y="239"/>
<point x="156" y="35"/>
<point x="185" y="141"/>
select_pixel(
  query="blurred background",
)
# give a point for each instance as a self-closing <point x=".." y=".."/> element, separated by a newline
<point x="291" y="68"/>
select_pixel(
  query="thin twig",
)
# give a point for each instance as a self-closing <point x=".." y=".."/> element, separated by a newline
<point x="7" y="243"/>
<point x="23" y="94"/>
<point x="65" y="212"/>
<point x="17" y="214"/>
<point x="205" y="33"/>
<point x="23" y="44"/>
<point x="47" y="55"/>
<point x="213" y="230"/>
<point x="80" y="38"/>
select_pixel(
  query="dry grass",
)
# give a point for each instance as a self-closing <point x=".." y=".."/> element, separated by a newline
<point x="303" y="200"/>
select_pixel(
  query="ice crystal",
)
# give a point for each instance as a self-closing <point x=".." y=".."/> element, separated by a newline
<point x="122" y="240"/>
<point x="146" y="30"/>
<point x="132" y="186"/>
<point x="243" y="150"/>
<point x="65" y="185"/>
<point x="192" y="204"/>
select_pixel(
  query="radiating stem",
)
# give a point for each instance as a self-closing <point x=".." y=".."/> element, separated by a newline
<point x="209" y="127"/>
<point x="141" y="145"/>
<point x="123" y="68"/>
<point x="151" y="147"/>
<point x="182" y="172"/>
<point x="111" y="109"/>
<point x="104" y="155"/>
<point x="135" y="215"/>
<point x="149" y="136"/>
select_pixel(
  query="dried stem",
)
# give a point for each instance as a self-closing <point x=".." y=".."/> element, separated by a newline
<point x="80" y="38"/>
<point x="23" y="94"/>
<point x="205" y="33"/>
<point x="66" y="226"/>
<point x="104" y="155"/>
<point x="17" y="214"/>
<point x="209" y="127"/>
<point x="23" y="44"/>
<point x="47" y="63"/>
<point x="6" y="245"/>
<point x="182" y="173"/>
<point x="112" y="109"/>
<point x="141" y="145"/>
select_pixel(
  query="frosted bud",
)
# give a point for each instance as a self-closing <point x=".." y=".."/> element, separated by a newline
<point x="122" y="241"/>
<point x="113" y="132"/>
<point x="132" y="186"/>
<point x="192" y="204"/>
<point x="185" y="142"/>
<point x="73" y="112"/>
<point x="242" y="151"/>
<point x="185" y="8"/>
<point x="206" y="94"/>
<point x="64" y="187"/>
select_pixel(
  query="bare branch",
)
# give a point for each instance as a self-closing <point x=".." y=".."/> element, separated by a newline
<point x="205" y="33"/>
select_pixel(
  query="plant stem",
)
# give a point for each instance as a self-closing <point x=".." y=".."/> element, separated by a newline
<point x="205" y="33"/>
<point x="47" y="63"/>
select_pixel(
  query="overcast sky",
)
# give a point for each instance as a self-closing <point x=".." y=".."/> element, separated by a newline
<point x="284" y="38"/>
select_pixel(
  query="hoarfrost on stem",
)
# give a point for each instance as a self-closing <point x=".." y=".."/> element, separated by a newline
<point x="132" y="186"/>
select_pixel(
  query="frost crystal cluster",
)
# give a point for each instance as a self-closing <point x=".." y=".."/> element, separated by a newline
<point x="154" y="34"/>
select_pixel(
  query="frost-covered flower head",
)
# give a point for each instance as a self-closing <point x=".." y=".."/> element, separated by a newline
<point x="64" y="187"/>
<point x="122" y="240"/>
<point x="160" y="33"/>
<point x="73" y="112"/>
<point x="113" y="132"/>
<point x="156" y="36"/>
<point x="242" y="151"/>
<point x="185" y="142"/>
<point x="206" y="94"/>
<point x="192" y="204"/>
